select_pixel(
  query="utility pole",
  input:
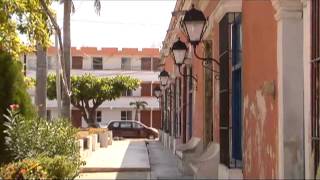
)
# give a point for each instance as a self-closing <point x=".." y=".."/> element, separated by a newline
<point x="58" y="81"/>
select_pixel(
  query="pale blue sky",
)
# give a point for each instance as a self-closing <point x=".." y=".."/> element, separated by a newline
<point x="131" y="23"/>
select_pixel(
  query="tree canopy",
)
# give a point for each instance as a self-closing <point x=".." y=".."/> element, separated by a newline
<point x="26" y="18"/>
<point x="89" y="91"/>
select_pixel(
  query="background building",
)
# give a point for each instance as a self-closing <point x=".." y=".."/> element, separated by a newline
<point x="141" y="64"/>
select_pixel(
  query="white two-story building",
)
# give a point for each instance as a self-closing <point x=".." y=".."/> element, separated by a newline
<point x="141" y="64"/>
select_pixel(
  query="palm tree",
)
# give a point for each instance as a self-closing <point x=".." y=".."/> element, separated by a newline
<point x="68" y="8"/>
<point x="65" y="48"/>
<point x="138" y="106"/>
<point x="67" y="58"/>
<point x="41" y="83"/>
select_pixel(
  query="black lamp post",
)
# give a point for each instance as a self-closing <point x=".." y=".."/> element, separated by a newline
<point x="179" y="51"/>
<point x="194" y="24"/>
<point x="164" y="78"/>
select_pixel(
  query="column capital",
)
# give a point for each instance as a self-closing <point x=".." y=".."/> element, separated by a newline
<point x="305" y="2"/>
<point x="288" y="9"/>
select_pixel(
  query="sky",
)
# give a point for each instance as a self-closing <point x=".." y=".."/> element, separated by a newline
<point x="121" y="23"/>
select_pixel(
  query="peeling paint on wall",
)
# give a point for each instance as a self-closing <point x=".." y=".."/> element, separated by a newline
<point x="260" y="151"/>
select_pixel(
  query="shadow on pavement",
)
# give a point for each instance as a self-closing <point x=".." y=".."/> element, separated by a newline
<point x="135" y="163"/>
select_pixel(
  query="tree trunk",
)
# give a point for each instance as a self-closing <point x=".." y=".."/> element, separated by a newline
<point x="41" y="82"/>
<point x="136" y="115"/>
<point x="139" y="116"/>
<point x="92" y="120"/>
<point x="66" y="54"/>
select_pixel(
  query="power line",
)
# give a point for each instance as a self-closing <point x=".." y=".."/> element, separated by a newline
<point x="105" y="22"/>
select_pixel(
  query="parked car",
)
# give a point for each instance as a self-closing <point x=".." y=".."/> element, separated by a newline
<point x="131" y="129"/>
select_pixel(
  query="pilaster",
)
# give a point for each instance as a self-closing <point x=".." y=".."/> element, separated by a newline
<point x="290" y="87"/>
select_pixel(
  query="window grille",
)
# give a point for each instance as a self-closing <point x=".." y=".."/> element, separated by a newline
<point x="315" y="81"/>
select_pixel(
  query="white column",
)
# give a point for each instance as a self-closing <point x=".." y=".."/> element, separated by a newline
<point x="290" y="87"/>
<point x="307" y="91"/>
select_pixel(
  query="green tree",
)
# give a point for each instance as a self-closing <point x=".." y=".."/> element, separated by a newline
<point x="88" y="92"/>
<point x="138" y="105"/>
<point x="25" y="18"/>
<point x="13" y="90"/>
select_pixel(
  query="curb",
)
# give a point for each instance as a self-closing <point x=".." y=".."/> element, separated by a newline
<point x="99" y="169"/>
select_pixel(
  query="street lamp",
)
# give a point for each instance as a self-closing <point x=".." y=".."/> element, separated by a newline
<point x="164" y="78"/>
<point x="194" y="24"/>
<point x="157" y="92"/>
<point x="179" y="50"/>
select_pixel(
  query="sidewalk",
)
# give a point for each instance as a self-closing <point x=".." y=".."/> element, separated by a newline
<point x="125" y="159"/>
<point x="164" y="164"/>
<point x="132" y="159"/>
<point x="124" y="155"/>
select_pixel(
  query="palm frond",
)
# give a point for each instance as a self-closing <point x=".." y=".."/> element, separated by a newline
<point x="97" y="6"/>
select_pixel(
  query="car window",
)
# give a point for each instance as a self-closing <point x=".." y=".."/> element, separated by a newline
<point x="115" y="124"/>
<point x="137" y="125"/>
<point x="125" y="125"/>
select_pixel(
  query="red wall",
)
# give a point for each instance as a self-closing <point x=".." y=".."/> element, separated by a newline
<point x="260" y="109"/>
<point x="145" y="89"/>
<point x="145" y="117"/>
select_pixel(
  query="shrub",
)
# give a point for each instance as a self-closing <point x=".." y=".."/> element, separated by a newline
<point x="25" y="169"/>
<point x="59" y="167"/>
<point x="13" y="90"/>
<point x="30" y="137"/>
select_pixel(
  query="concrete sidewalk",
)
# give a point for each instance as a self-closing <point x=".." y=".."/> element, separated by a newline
<point x="132" y="159"/>
<point x="125" y="159"/>
<point x="164" y="164"/>
<point x="124" y="155"/>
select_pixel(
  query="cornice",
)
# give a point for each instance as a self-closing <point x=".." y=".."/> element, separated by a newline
<point x="223" y="7"/>
<point x="288" y="9"/>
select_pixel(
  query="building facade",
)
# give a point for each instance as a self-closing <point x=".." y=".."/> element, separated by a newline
<point x="260" y="102"/>
<point x="107" y="62"/>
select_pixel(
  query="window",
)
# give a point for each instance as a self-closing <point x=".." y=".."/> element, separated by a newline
<point x="125" y="63"/>
<point x="77" y="62"/>
<point x="126" y="115"/>
<point x="99" y="116"/>
<point x="156" y="64"/>
<point x="97" y="63"/>
<point x="127" y="93"/>
<point x="115" y="124"/>
<point x="126" y="125"/>
<point x="137" y="125"/>
<point x="145" y="89"/>
<point x="230" y="89"/>
<point x="146" y="64"/>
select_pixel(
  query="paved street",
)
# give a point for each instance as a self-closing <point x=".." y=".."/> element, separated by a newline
<point x="132" y="159"/>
